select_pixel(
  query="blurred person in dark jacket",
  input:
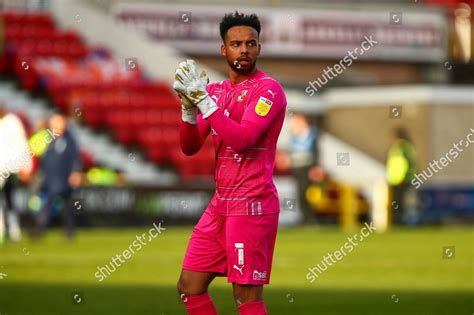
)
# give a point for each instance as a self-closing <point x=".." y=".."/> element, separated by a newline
<point x="57" y="167"/>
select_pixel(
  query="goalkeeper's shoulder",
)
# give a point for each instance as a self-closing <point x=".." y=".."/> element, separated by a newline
<point x="267" y="82"/>
<point x="271" y="89"/>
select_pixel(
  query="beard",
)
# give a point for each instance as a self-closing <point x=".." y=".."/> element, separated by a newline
<point x="242" y="70"/>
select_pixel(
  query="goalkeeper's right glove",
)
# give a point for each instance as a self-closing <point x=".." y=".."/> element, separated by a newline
<point x="188" y="109"/>
<point x="190" y="83"/>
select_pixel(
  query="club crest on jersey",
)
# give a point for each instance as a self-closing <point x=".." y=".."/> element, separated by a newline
<point x="241" y="96"/>
<point x="263" y="106"/>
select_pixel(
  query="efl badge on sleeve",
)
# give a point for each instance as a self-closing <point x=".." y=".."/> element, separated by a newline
<point x="263" y="106"/>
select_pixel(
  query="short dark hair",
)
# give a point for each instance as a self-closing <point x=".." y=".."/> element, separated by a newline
<point x="239" y="19"/>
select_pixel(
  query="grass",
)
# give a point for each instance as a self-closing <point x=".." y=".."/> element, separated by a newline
<point x="400" y="272"/>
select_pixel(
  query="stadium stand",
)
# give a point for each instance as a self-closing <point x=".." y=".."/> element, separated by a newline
<point x="78" y="78"/>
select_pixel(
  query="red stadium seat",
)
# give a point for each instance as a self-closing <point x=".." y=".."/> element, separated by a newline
<point x="138" y="111"/>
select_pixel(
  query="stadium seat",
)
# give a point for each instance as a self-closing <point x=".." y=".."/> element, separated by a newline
<point x="136" y="110"/>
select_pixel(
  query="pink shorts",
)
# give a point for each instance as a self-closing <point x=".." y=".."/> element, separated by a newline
<point x="239" y="247"/>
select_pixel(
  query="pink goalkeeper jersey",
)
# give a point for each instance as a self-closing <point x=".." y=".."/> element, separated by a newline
<point x="245" y="131"/>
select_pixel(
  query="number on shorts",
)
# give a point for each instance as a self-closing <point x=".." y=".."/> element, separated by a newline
<point x="240" y="252"/>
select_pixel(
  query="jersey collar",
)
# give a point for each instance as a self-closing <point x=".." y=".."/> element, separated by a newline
<point x="256" y="76"/>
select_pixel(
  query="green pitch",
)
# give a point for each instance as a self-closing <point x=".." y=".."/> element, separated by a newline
<point x="400" y="272"/>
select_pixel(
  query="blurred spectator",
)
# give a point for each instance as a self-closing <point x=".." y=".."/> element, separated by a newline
<point x="37" y="144"/>
<point x="401" y="169"/>
<point x="15" y="160"/>
<point x="303" y="158"/>
<point x="57" y="167"/>
<point x="100" y="175"/>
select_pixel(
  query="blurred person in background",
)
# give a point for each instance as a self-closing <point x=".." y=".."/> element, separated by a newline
<point x="303" y="160"/>
<point x="38" y="145"/>
<point x="401" y="169"/>
<point x="101" y="175"/>
<point x="15" y="165"/>
<point x="58" y="177"/>
<point x="37" y="141"/>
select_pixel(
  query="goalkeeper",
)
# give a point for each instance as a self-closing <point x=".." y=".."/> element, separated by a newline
<point x="235" y="237"/>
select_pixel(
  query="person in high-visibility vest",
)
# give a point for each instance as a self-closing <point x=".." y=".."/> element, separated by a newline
<point x="401" y="168"/>
<point x="103" y="176"/>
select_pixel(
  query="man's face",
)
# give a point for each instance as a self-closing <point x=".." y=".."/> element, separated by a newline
<point x="58" y="124"/>
<point x="298" y="125"/>
<point x="242" y="44"/>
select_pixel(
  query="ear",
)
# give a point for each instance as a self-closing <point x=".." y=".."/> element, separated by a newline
<point x="223" y="52"/>
<point x="259" y="49"/>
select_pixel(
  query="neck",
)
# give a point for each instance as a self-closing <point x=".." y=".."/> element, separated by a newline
<point x="236" y="77"/>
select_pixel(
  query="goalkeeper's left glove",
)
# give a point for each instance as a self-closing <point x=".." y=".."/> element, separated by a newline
<point x="192" y="85"/>
<point x="188" y="111"/>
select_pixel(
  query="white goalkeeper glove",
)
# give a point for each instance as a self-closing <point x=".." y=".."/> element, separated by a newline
<point x="193" y="86"/>
<point x="188" y="111"/>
